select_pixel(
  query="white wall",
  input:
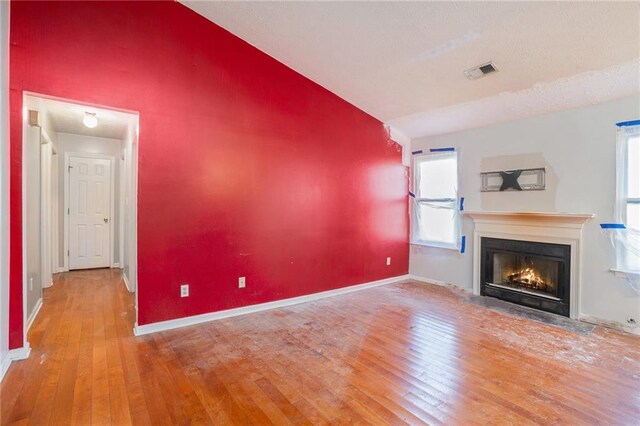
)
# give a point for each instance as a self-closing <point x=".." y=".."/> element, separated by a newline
<point x="4" y="187"/>
<point x="48" y="192"/>
<point x="578" y="149"/>
<point x="130" y="178"/>
<point x="88" y="144"/>
<point x="33" y="218"/>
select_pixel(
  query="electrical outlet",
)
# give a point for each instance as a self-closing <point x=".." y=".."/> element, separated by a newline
<point x="241" y="282"/>
<point x="184" y="290"/>
<point x="388" y="261"/>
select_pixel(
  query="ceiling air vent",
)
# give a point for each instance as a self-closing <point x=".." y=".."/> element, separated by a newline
<point x="480" y="71"/>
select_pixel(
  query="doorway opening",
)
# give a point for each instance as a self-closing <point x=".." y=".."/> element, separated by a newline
<point x="79" y="191"/>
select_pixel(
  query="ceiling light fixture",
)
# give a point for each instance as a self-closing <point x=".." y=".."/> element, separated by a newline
<point x="90" y="120"/>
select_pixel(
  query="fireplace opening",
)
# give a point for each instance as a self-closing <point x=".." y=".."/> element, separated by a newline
<point x="528" y="273"/>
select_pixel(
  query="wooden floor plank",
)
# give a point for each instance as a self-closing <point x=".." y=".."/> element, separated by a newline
<point x="406" y="353"/>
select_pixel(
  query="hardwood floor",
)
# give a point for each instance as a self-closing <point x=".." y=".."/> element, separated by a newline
<point x="403" y="353"/>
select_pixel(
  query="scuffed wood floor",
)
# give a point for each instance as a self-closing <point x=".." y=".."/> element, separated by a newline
<point x="404" y="353"/>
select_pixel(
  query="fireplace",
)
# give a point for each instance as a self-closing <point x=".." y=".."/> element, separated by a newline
<point x="560" y="229"/>
<point x="528" y="273"/>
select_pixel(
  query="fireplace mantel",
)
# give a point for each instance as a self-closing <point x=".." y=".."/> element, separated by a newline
<point x="530" y="218"/>
<point x="560" y="228"/>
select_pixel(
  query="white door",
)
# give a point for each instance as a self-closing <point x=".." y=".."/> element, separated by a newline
<point x="89" y="209"/>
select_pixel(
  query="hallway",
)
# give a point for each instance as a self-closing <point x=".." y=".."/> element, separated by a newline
<point x="82" y="354"/>
<point x="402" y="353"/>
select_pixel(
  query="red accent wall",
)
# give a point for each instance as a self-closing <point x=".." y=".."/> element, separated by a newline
<point x="246" y="167"/>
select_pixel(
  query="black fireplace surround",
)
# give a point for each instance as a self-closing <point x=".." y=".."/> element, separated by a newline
<point x="528" y="273"/>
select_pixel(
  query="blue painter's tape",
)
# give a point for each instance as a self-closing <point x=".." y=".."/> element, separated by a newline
<point x="463" y="243"/>
<point x="411" y="194"/>
<point x="442" y="149"/>
<point x="461" y="203"/>
<point x="628" y="123"/>
<point x="612" y="226"/>
<point x="416" y="152"/>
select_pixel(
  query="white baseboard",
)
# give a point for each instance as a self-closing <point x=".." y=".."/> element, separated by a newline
<point x="428" y="280"/>
<point x="13" y="355"/>
<point x="116" y="265"/>
<point x="61" y="269"/>
<point x="140" y="330"/>
<point x="20" y="353"/>
<point x="34" y="313"/>
<point x="126" y="282"/>
<point x="5" y="362"/>
<point x="610" y="324"/>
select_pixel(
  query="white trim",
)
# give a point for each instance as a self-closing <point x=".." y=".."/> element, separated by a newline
<point x="46" y="203"/>
<point x="112" y="213"/>
<point x="623" y="273"/>
<point x="81" y="103"/>
<point x="112" y="160"/>
<point x="121" y="193"/>
<point x="45" y="136"/>
<point x="429" y="281"/>
<point x="556" y="220"/>
<point x="126" y="282"/>
<point x="23" y="206"/>
<point x="4" y="187"/>
<point x="556" y="228"/>
<point x="65" y="225"/>
<point x="140" y="330"/>
<point x="20" y="353"/>
<point x="116" y="265"/>
<point x="5" y="362"/>
<point x="435" y="244"/>
<point x="65" y="266"/>
<point x="414" y="223"/>
<point x="610" y="324"/>
<point x="55" y="214"/>
<point x="34" y="313"/>
<point x="27" y="319"/>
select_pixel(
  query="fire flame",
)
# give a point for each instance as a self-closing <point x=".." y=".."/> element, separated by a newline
<point x="530" y="275"/>
<point x="527" y="277"/>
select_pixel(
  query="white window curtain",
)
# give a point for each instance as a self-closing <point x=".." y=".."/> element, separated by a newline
<point x="435" y="217"/>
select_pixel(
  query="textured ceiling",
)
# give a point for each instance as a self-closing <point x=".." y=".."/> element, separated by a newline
<point x="65" y="117"/>
<point x="404" y="61"/>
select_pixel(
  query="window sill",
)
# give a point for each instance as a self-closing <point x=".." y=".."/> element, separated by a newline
<point x="435" y="245"/>
<point x="623" y="273"/>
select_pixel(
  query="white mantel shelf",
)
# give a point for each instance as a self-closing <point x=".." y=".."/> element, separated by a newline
<point x="545" y="217"/>
<point x="549" y="227"/>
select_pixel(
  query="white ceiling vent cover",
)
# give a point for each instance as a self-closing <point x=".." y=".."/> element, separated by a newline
<point x="480" y="71"/>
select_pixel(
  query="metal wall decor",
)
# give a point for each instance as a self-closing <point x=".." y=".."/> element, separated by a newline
<point x="517" y="180"/>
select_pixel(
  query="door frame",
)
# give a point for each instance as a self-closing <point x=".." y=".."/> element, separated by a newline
<point x="46" y="222"/>
<point x="67" y="182"/>
<point x="25" y="350"/>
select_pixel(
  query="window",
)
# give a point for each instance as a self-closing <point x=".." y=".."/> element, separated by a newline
<point x="435" y="189"/>
<point x="631" y="209"/>
<point x="628" y="196"/>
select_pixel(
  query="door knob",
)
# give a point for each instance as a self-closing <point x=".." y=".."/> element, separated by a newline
<point x="106" y="220"/>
